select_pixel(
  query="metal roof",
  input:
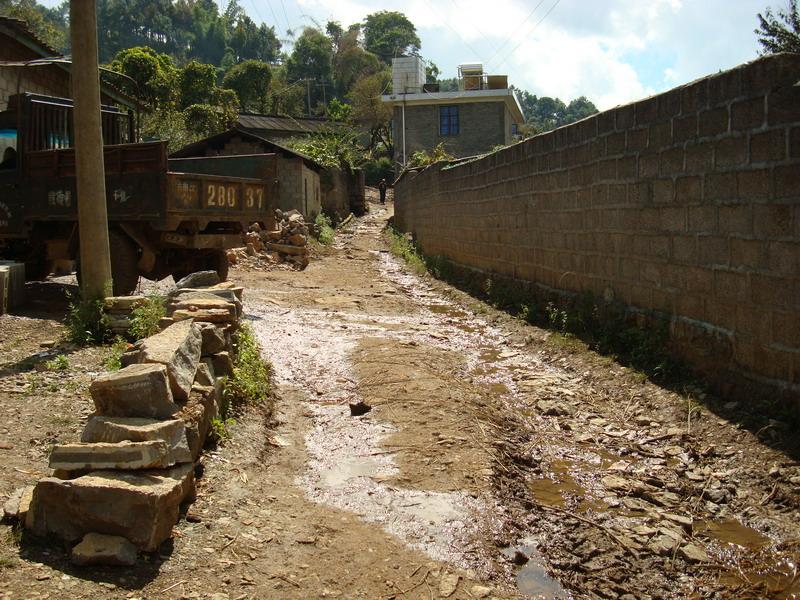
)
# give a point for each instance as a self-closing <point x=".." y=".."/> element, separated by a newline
<point x="300" y="125"/>
<point x="198" y="148"/>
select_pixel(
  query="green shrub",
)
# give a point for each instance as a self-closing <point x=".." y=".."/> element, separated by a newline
<point x="145" y="318"/>
<point x="59" y="363"/>
<point x="250" y="383"/>
<point x="326" y="232"/>
<point x="218" y="431"/>
<point x="86" y="321"/>
<point x="114" y="360"/>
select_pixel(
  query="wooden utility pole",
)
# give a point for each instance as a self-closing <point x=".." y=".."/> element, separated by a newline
<point x="89" y="168"/>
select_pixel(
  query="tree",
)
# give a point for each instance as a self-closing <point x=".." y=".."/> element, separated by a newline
<point x="350" y="60"/>
<point x="249" y="41"/>
<point x="388" y="34"/>
<point x="312" y="60"/>
<point x="197" y="84"/>
<point x="154" y="73"/>
<point x="370" y="112"/>
<point x="543" y="113"/>
<point x="49" y="24"/>
<point x="250" y="80"/>
<point x="781" y="33"/>
<point x="285" y="98"/>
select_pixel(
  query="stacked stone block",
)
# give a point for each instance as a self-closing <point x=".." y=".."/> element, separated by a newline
<point x="685" y="204"/>
<point x="134" y="465"/>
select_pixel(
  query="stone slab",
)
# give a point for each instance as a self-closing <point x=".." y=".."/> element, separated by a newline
<point x="139" y="390"/>
<point x="123" y="303"/>
<point x="17" y="505"/>
<point x="205" y="315"/>
<point x="101" y="549"/>
<point x="213" y="339"/>
<point x="202" y="406"/>
<point x="198" y="280"/>
<point x="151" y="454"/>
<point x="178" y="348"/>
<point x="141" y="506"/>
<point x="223" y="364"/>
<point x="121" y="429"/>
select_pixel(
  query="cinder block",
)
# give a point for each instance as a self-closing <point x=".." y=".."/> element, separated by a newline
<point x="714" y="122"/>
<point x="730" y="152"/>
<point x="736" y="219"/>
<point x="748" y="114"/>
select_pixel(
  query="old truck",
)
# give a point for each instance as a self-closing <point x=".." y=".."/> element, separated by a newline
<point x="162" y="221"/>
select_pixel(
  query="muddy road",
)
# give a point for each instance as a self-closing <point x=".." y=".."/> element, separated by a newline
<point x="498" y="460"/>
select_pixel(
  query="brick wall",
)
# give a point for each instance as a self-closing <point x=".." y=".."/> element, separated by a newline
<point x="686" y="204"/>
<point x="482" y="125"/>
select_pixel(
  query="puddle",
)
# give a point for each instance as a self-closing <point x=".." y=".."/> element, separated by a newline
<point x="498" y="389"/>
<point x="731" y="531"/>
<point x="358" y="466"/>
<point x="447" y="310"/>
<point x="556" y="489"/>
<point x="532" y="579"/>
<point x="780" y="586"/>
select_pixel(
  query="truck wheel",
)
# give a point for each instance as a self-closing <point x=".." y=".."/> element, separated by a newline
<point x="124" y="262"/>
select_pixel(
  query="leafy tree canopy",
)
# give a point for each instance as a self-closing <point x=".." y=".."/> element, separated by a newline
<point x="250" y="80"/>
<point x="388" y="34"/>
<point x="779" y="33"/>
<point x="312" y="60"/>
<point x="154" y="74"/>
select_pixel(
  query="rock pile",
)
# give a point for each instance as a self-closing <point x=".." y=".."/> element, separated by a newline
<point x="118" y="311"/>
<point x="122" y="485"/>
<point x="287" y="243"/>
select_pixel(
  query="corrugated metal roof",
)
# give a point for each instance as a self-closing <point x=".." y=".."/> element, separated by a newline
<point x="198" y="148"/>
<point x="281" y="123"/>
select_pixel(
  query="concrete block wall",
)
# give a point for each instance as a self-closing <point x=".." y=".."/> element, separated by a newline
<point x="482" y="126"/>
<point x="685" y="204"/>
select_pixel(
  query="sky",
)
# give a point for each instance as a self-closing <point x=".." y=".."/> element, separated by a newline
<point x="611" y="51"/>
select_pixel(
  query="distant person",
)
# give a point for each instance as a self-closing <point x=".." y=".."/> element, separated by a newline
<point x="382" y="190"/>
<point x="9" y="159"/>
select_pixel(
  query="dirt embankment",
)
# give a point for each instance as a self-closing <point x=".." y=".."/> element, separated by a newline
<point x="497" y="459"/>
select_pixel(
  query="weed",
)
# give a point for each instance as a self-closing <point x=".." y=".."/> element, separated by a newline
<point x="8" y="562"/>
<point x="326" y="232"/>
<point x="219" y="429"/>
<point x="59" y="363"/>
<point x="86" y="321"/>
<point x="114" y="360"/>
<point x="59" y="420"/>
<point x="404" y="248"/>
<point x="145" y="317"/>
<point x="250" y="383"/>
<point x="580" y="322"/>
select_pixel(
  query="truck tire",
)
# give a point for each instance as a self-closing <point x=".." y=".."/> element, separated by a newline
<point x="124" y="262"/>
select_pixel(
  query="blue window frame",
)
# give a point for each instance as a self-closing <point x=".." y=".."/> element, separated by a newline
<point x="448" y="120"/>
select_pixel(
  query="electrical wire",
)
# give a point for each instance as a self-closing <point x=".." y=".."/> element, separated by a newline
<point x="514" y="49"/>
<point x="286" y="15"/>
<point x="517" y="30"/>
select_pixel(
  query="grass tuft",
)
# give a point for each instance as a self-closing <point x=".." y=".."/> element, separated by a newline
<point x="86" y="322"/>
<point x="326" y="231"/>
<point x="145" y="318"/>
<point x="250" y="384"/>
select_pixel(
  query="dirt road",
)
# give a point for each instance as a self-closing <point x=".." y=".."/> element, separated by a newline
<point x="498" y="460"/>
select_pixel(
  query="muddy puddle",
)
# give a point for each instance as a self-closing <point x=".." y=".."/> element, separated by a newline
<point x="730" y="531"/>
<point x="531" y="577"/>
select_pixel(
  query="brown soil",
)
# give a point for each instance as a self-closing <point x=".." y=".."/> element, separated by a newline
<point x="490" y="443"/>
